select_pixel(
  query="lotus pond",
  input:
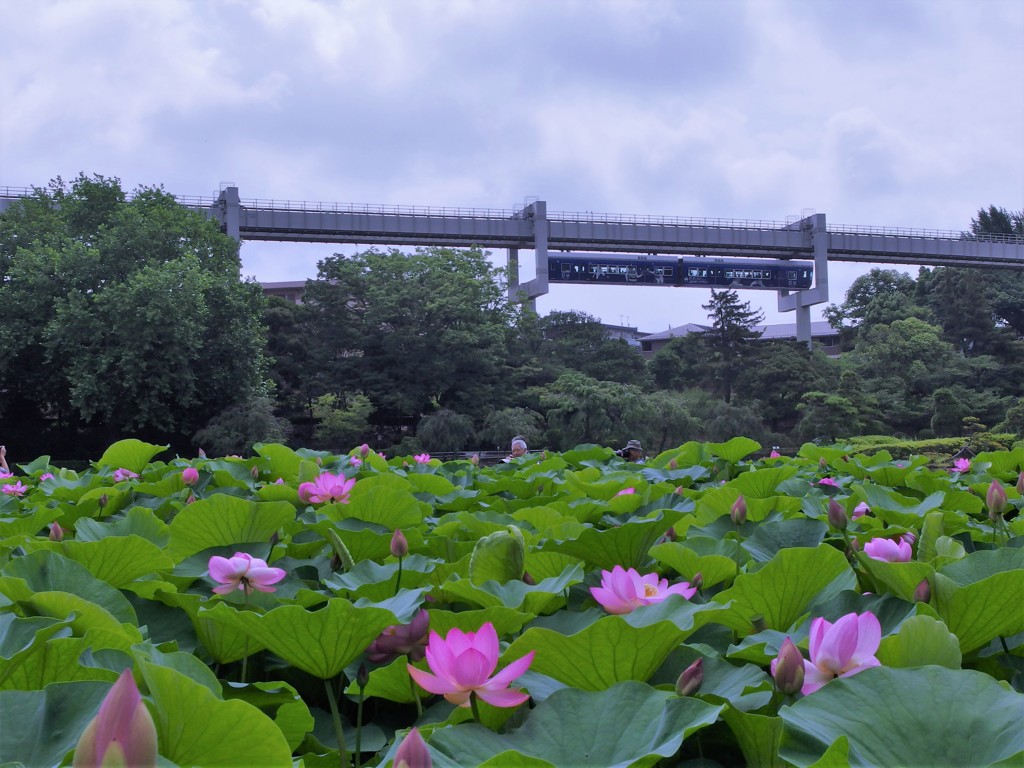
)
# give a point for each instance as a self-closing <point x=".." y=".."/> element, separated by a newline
<point x="707" y="608"/>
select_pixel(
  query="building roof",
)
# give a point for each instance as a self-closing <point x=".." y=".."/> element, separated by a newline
<point x="778" y="331"/>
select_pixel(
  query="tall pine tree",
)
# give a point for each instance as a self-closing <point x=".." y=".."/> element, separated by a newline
<point x="730" y="340"/>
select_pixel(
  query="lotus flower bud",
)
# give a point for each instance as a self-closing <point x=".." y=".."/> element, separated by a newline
<point x="679" y="490"/>
<point x="996" y="501"/>
<point x="822" y="464"/>
<point x="1020" y="483"/>
<point x="861" y="509"/>
<point x="475" y="459"/>
<point x="691" y="678"/>
<point x="774" y="454"/>
<point x="413" y="752"/>
<point x="528" y="579"/>
<point x="697" y="581"/>
<point x="103" y="501"/>
<point x="837" y="515"/>
<point x="56" y="532"/>
<point x="364" y="450"/>
<point x="673" y="464"/>
<point x="738" y="512"/>
<point x="191" y="499"/>
<point x="399" y="544"/>
<point x="122" y="733"/>
<point x="202" y="454"/>
<point x="254" y="471"/>
<point x="190" y="475"/>
<point x="362" y="675"/>
<point x="788" y="669"/>
<point x="923" y="592"/>
<point x="671" y="535"/>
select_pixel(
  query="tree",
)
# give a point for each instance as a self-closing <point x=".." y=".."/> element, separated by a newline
<point x="683" y="363"/>
<point x="580" y="343"/>
<point x="778" y="373"/>
<point x="827" y="416"/>
<point x="446" y="430"/>
<point x="502" y="425"/>
<point x="342" y="421"/>
<point x="414" y="332"/>
<point x="730" y="340"/>
<point x="236" y="429"/>
<point x="127" y="316"/>
<point x="582" y="409"/>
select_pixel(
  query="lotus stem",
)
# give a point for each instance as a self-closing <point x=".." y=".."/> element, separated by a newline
<point x="476" y="707"/>
<point x="398" y="580"/>
<point x="338" y="730"/>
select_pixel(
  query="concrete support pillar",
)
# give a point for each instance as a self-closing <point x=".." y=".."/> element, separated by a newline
<point x="228" y="212"/>
<point x="801" y="301"/>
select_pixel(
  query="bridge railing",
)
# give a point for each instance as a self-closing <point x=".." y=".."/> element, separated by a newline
<point x="929" y="234"/>
<point x="400" y="210"/>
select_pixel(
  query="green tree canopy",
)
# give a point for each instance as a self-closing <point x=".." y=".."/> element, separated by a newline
<point x="730" y="340"/>
<point x="122" y="315"/>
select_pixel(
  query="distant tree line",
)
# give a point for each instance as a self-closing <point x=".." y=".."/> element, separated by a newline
<point x="127" y="317"/>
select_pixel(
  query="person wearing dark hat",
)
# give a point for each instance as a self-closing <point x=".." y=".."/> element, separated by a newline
<point x="633" y="452"/>
<point x="518" y="448"/>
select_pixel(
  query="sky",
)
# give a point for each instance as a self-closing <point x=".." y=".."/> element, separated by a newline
<point x="884" y="113"/>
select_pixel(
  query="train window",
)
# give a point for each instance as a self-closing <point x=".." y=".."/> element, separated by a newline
<point x="667" y="271"/>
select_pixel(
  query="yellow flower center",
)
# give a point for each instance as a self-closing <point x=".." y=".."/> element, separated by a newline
<point x="650" y="590"/>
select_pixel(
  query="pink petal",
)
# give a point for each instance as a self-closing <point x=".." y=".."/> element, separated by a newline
<point x="115" y="716"/>
<point x="818" y="629"/>
<point x="459" y="698"/>
<point x="814" y="678"/>
<point x="838" y="644"/>
<point x="505" y="677"/>
<point x="503" y="698"/>
<point x="869" y="636"/>
<point x="457" y="641"/>
<point x="472" y="669"/>
<point x="683" y="589"/>
<point x="224" y="570"/>
<point x="224" y="589"/>
<point x="429" y="682"/>
<point x="262" y="576"/>
<point x="440" y="658"/>
<point x="486" y="642"/>
<point x="612" y="602"/>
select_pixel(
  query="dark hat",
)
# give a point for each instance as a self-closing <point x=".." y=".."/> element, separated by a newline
<point x="633" y="445"/>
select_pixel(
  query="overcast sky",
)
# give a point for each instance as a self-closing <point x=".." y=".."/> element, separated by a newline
<point x="899" y="113"/>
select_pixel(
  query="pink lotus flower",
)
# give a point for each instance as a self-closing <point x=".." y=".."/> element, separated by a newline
<point x="46" y="476"/>
<point x="124" y="474"/>
<point x="56" y="532"/>
<point x="774" y="454"/>
<point x="413" y="752"/>
<point x="243" y="572"/>
<point x="995" y="499"/>
<point x="326" y="489"/>
<point x="961" y="465"/>
<point x="422" y="458"/>
<point x="14" y="489"/>
<point x="122" y="733"/>
<point x="400" y="640"/>
<point x="889" y="550"/>
<point x="829" y="481"/>
<point x="841" y="649"/>
<point x="462" y="664"/>
<point x="861" y="509"/>
<point x="626" y="492"/>
<point x="364" y="450"/>
<point x="355" y="461"/>
<point x="623" y="591"/>
<point x="190" y="476"/>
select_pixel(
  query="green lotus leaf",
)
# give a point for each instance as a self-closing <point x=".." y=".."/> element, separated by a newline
<point x="130" y="454"/>
<point x="47" y="571"/>
<point x="922" y="716"/>
<point x="900" y="579"/>
<point x="117" y="560"/>
<point x="981" y="611"/>
<point x="613" y="648"/>
<point x="280" y="701"/>
<point x="685" y="561"/>
<point x="222" y="521"/>
<point x="37" y="651"/>
<point x="321" y="642"/>
<point x="226" y="641"/>
<point x="769" y="538"/>
<point x="758" y="737"/>
<point x="982" y="564"/>
<point x="920" y="641"/>
<point x="376" y="581"/>
<point x="430" y="485"/>
<point x="782" y="590"/>
<point x="626" y="545"/>
<point x="284" y="462"/>
<point x="630" y="724"/>
<point x="390" y="507"/>
<point x="41" y="727"/>
<point x="137" y="521"/>
<point x="513" y="594"/>
<point x="27" y="524"/>
<point x="196" y="728"/>
<point x="735" y="449"/>
<point x="498" y="557"/>
<point x="763" y="483"/>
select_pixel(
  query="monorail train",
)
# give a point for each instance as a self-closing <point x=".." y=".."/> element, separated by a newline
<point x="710" y="271"/>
